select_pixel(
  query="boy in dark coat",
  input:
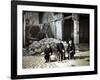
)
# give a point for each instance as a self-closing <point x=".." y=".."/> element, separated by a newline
<point x="71" y="49"/>
<point x="48" y="52"/>
<point x="61" y="51"/>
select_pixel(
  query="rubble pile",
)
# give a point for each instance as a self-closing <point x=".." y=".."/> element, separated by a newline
<point x="39" y="46"/>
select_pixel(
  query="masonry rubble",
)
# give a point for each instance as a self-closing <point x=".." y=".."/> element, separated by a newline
<point x="39" y="46"/>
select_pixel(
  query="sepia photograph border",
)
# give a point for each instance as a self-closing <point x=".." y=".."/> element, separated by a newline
<point x="14" y="39"/>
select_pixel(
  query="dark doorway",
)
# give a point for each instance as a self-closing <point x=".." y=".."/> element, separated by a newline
<point x="67" y="29"/>
<point x="84" y="28"/>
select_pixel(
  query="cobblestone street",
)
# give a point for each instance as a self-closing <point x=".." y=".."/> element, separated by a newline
<point x="37" y="61"/>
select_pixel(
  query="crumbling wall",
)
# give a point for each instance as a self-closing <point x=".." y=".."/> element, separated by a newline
<point x="33" y="17"/>
<point x="55" y="22"/>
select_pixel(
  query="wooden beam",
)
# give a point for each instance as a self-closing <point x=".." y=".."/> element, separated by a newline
<point x="68" y="17"/>
<point x="65" y="18"/>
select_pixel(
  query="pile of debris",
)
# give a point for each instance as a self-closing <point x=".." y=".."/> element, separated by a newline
<point x="39" y="46"/>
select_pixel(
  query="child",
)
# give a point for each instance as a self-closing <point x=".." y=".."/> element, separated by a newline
<point x="71" y="49"/>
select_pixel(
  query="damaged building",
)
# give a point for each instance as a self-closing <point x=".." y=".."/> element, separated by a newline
<point x="63" y="26"/>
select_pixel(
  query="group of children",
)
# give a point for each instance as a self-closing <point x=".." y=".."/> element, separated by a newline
<point x="60" y="51"/>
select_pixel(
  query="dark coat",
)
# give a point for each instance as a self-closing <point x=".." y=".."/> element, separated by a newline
<point x="71" y="49"/>
<point x="60" y="47"/>
<point x="47" y="53"/>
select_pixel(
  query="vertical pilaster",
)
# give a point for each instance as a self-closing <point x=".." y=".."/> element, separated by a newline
<point x="75" y="18"/>
<point x="58" y="21"/>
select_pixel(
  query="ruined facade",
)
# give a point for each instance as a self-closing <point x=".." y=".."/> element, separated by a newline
<point x="55" y="25"/>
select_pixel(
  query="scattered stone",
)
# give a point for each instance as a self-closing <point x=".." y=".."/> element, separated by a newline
<point x="39" y="46"/>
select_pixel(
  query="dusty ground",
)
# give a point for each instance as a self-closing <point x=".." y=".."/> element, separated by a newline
<point x="38" y="61"/>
